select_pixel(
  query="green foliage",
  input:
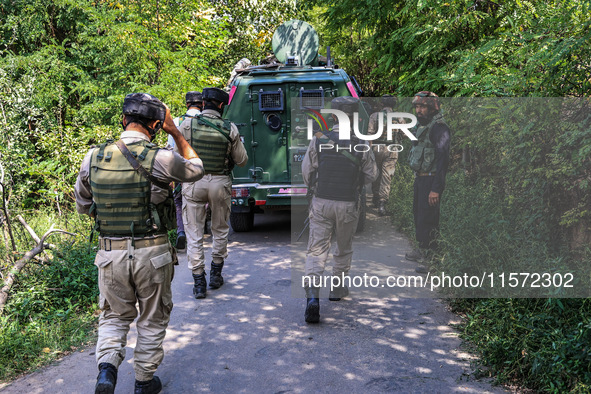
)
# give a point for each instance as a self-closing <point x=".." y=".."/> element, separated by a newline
<point x="26" y="346"/>
<point x="65" y="67"/>
<point x="401" y="194"/>
<point x="466" y="47"/>
<point x="515" y="198"/>
<point x="351" y="48"/>
<point x="51" y="307"/>
<point x="534" y="152"/>
<point x="542" y="343"/>
<point x="250" y="26"/>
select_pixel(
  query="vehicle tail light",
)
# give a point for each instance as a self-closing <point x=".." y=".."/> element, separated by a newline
<point x="240" y="192"/>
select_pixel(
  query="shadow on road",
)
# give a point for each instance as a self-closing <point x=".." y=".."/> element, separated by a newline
<point x="249" y="336"/>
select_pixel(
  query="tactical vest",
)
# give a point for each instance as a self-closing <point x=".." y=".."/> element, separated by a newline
<point x="212" y="144"/>
<point x="422" y="155"/>
<point x="122" y="196"/>
<point x="338" y="174"/>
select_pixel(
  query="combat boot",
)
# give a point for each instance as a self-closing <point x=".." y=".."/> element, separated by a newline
<point x="416" y="255"/>
<point x="428" y="262"/>
<point x="338" y="292"/>
<point x="421" y="269"/>
<point x="382" y="208"/>
<point x="153" y="386"/>
<point x="215" y="275"/>
<point x="181" y="241"/>
<point x="106" y="379"/>
<point x="200" y="286"/>
<point x="312" y="313"/>
<point x="375" y="201"/>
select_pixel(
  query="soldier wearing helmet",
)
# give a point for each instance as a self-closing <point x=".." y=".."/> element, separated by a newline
<point x="429" y="158"/>
<point x="123" y="185"/>
<point x="336" y="177"/>
<point x="385" y="159"/>
<point x="194" y="102"/>
<point x="217" y="141"/>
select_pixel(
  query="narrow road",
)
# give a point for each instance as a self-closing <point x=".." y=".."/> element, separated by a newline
<point x="250" y="335"/>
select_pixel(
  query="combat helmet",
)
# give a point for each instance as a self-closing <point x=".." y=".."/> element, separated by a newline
<point x="215" y="94"/>
<point x="428" y="99"/>
<point x="143" y="107"/>
<point x="193" y="97"/>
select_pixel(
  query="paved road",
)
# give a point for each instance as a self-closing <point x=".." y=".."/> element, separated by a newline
<point x="250" y="336"/>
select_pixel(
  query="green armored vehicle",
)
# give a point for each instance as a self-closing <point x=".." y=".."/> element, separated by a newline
<point x="266" y="103"/>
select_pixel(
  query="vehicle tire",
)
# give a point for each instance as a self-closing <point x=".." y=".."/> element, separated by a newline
<point x="362" y="211"/>
<point x="242" y="221"/>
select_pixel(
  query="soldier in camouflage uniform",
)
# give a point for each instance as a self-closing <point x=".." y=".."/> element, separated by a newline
<point x="385" y="158"/>
<point x="218" y="143"/>
<point x="429" y="158"/>
<point x="124" y="186"/>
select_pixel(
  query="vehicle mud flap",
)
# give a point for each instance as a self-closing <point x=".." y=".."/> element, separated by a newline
<point x="242" y="220"/>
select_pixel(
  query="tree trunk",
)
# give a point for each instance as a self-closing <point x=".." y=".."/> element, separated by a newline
<point x="20" y="264"/>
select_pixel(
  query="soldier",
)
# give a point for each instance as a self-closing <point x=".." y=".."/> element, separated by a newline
<point x="124" y="186"/>
<point x="194" y="102"/>
<point x="218" y="143"/>
<point x="337" y="177"/>
<point x="385" y="158"/>
<point x="429" y="158"/>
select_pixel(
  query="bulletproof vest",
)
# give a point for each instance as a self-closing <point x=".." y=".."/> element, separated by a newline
<point x="122" y="196"/>
<point x="422" y="155"/>
<point x="210" y="137"/>
<point x="338" y="175"/>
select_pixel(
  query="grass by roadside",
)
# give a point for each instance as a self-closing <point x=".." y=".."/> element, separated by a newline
<point x="53" y="305"/>
<point x="538" y="344"/>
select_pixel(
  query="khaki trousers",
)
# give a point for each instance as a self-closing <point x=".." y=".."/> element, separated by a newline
<point x="328" y="217"/>
<point x="386" y="162"/>
<point x="215" y="190"/>
<point x="126" y="277"/>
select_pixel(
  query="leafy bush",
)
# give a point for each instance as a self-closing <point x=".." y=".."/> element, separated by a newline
<point x="542" y="344"/>
<point x="52" y="305"/>
<point x="401" y="194"/>
<point x="65" y="72"/>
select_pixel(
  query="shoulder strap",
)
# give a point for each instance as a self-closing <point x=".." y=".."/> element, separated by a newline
<point x="202" y="119"/>
<point x="137" y="166"/>
<point x="348" y="155"/>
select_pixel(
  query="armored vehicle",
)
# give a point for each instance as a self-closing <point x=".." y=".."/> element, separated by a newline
<point x="266" y="103"/>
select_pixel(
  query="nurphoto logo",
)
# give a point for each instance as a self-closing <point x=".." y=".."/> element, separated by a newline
<point x="386" y="124"/>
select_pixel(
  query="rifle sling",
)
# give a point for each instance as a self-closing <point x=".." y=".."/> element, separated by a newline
<point x="210" y="124"/>
<point x="320" y="134"/>
<point x="138" y="167"/>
